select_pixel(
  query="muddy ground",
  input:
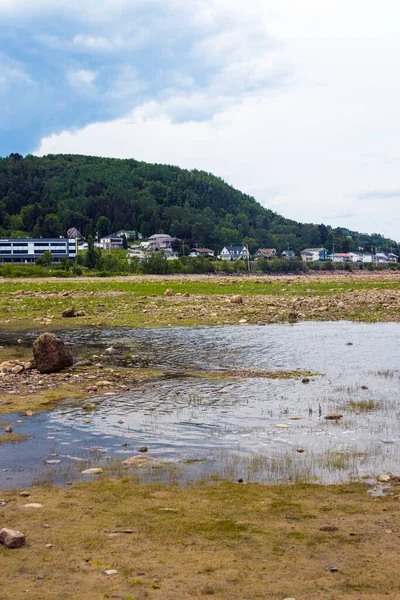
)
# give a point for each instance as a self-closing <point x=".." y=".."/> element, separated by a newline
<point x="225" y="540"/>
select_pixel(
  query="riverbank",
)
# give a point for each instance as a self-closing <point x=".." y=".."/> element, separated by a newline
<point x="149" y="301"/>
<point x="226" y="540"/>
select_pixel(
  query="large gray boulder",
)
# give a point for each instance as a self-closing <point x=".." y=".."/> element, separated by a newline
<point x="12" y="538"/>
<point x="51" y="354"/>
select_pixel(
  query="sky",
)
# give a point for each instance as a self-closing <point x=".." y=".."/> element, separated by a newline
<point x="296" y="103"/>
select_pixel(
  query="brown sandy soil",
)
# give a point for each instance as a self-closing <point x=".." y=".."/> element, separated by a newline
<point x="225" y="540"/>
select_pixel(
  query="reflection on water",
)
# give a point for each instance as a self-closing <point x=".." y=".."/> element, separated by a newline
<point x="229" y="426"/>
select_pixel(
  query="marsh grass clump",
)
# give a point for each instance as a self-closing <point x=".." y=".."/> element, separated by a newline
<point x="364" y="405"/>
<point x="12" y="438"/>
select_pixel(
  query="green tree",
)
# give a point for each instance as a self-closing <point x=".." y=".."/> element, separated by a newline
<point x="91" y="254"/>
<point x="103" y="226"/>
<point x="124" y="242"/>
<point x="45" y="260"/>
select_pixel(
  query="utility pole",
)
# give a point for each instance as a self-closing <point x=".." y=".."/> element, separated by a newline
<point x="248" y="259"/>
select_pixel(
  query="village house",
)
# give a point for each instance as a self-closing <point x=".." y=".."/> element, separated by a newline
<point x="234" y="253"/>
<point x="201" y="252"/>
<point x="393" y="257"/>
<point x="111" y="242"/>
<point x="381" y="257"/>
<point x="314" y="254"/>
<point x="130" y="234"/>
<point x="341" y="257"/>
<point x="361" y="257"/>
<point x="74" y="234"/>
<point x="162" y="241"/>
<point x="288" y="254"/>
<point x="171" y="254"/>
<point x="267" y="253"/>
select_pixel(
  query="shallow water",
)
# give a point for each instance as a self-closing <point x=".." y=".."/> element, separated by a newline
<point x="203" y="426"/>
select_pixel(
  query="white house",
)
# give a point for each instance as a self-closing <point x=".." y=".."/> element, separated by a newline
<point x="128" y="233"/>
<point x="341" y="257"/>
<point x="288" y="254"/>
<point x="234" y="253"/>
<point x="111" y="242"/>
<point x="135" y="253"/>
<point x="361" y="257"/>
<point x="381" y="257"/>
<point x="313" y="254"/>
<point x="201" y="252"/>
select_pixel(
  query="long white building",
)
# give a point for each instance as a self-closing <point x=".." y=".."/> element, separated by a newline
<point x="28" y="250"/>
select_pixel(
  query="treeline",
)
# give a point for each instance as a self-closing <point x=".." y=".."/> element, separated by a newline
<point x="104" y="264"/>
<point x="46" y="196"/>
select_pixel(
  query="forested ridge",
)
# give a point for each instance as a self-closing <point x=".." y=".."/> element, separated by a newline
<point x="44" y="196"/>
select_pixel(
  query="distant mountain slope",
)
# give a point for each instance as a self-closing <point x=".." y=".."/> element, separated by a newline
<point x="46" y="196"/>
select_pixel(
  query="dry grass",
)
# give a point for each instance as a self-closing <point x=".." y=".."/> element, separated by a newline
<point x="227" y="540"/>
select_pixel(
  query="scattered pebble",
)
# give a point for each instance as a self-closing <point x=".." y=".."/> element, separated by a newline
<point x="110" y="572"/>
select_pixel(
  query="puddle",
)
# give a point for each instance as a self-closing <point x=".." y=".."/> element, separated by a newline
<point x="195" y="426"/>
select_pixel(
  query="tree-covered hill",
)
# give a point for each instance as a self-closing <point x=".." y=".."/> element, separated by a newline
<point x="46" y="196"/>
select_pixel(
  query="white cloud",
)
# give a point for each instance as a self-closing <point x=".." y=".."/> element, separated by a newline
<point x="12" y="72"/>
<point x="305" y="103"/>
<point x="92" y="42"/>
<point x="82" y="79"/>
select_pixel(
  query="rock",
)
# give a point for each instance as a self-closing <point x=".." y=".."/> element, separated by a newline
<point x="80" y="313"/>
<point x="53" y="462"/>
<point x="49" y="545"/>
<point x="17" y="369"/>
<point x="328" y="528"/>
<point x="364" y="387"/>
<point x="12" y="538"/>
<point x="28" y="366"/>
<point x="68" y="313"/>
<point x="143" y="449"/>
<point x="92" y="471"/>
<point x="305" y="380"/>
<point x="134" y="461"/>
<point x="9" y="429"/>
<point x="110" y="572"/>
<point x="169" y="292"/>
<point x="24" y="494"/>
<point x="333" y="417"/>
<point x="242" y="321"/>
<point x="300" y="450"/>
<point x="109" y="350"/>
<point x="29" y="413"/>
<point x="89" y="406"/>
<point x="83" y="363"/>
<point x="282" y="426"/>
<point x="334" y="569"/>
<point x="236" y="299"/>
<point x="384" y="478"/>
<point x="349" y="344"/>
<point x="51" y="354"/>
<point x="33" y="505"/>
<point x="103" y="383"/>
<point x="323" y="308"/>
<point x="240" y="480"/>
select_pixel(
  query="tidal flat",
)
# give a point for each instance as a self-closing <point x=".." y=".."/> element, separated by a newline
<point x="255" y="493"/>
